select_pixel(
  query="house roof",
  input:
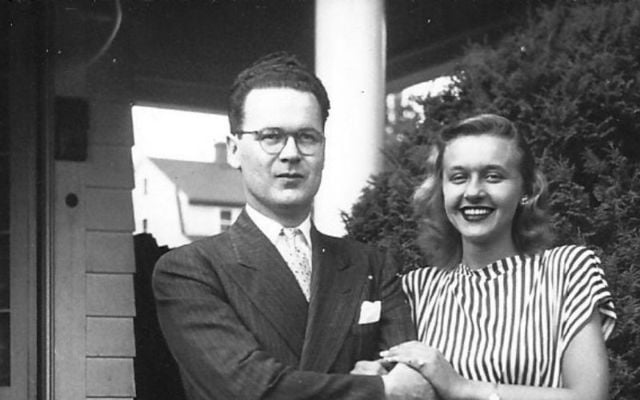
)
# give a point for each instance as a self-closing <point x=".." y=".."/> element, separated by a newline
<point x="203" y="182"/>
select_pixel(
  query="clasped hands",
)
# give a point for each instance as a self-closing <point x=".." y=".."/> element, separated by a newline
<point x="412" y="370"/>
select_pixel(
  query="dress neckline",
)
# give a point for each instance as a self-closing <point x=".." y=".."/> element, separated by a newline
<point x="492" y="270"/>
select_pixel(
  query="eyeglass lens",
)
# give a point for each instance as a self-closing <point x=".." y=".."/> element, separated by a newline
<point x="273" y="140"/>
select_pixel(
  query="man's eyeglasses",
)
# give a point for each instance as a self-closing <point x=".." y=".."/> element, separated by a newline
<point x="272" y="140"/>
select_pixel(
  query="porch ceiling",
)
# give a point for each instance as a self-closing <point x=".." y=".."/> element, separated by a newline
<point x="193" y="48"/>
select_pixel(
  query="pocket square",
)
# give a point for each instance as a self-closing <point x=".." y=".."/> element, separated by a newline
<point x="370" y="312"/>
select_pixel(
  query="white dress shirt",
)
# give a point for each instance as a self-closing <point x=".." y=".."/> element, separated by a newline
<point x="272" y="229"/>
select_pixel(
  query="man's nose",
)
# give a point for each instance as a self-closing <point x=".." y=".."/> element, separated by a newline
<point x="290" y="150"/>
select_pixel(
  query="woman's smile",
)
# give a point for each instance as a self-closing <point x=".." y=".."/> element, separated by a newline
<point x="475" y="214"/>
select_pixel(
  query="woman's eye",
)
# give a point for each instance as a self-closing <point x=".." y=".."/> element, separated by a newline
<point x="493" y="177"/>
<point x="457" y="178"/>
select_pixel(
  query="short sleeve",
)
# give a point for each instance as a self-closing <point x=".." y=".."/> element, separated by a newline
<point x="407" y="287"/>
<point x="418" y="286"/>
<point x="585" y="290"/>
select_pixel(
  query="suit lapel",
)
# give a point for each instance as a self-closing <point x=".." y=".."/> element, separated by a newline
<point x="268" y="282"/>
<point x="334" y="302"/>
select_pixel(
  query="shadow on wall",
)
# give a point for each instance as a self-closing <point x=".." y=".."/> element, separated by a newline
<point x="156" y="372"/>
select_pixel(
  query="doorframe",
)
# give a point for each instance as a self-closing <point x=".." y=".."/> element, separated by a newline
<point x="25" y="82"/>
<point x="45" y="205"/>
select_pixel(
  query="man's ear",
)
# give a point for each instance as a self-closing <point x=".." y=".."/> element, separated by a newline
<point x="233" y="157"/>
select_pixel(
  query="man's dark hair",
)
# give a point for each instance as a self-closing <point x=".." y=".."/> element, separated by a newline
<point x="280" y="70"/>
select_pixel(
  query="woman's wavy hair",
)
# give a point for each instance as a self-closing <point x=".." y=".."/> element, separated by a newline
<point x="438" y="239"/>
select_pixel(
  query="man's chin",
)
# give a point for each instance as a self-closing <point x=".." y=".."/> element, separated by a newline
<point x="294" y="205"/>
<point x="293" y="198"/>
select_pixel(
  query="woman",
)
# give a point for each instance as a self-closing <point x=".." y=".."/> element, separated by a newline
<point x="500" y="316"/>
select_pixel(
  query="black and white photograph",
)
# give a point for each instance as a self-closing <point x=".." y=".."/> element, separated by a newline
<point x="319" y="199"/>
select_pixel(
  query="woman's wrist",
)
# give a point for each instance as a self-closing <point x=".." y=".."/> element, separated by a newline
<point x="459" y="389"/>
<point x="472" y="390"/>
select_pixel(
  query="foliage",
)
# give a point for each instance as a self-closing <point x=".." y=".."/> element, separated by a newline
<point x="570" y="79"/>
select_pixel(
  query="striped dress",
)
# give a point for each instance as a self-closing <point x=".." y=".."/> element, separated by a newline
<point x="511" y="321"/>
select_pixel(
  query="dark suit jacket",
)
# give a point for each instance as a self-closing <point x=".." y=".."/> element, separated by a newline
<point x="239" y="326"/>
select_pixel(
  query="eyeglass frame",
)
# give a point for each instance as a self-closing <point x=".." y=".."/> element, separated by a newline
<point x="287" y="134"/>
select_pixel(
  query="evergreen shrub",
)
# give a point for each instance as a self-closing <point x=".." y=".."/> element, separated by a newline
<point x="570" y="80"/>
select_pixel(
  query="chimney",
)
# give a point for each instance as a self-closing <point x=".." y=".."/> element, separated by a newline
<point x="221" y="153"/>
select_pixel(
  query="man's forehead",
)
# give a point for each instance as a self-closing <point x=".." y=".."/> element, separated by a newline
<point x="281" y="104"/>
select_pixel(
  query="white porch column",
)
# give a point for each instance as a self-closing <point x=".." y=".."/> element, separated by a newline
<point x="350" y="61"/>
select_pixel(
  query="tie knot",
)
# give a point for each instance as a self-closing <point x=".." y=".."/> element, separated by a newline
<point x="294" y="237"/>
<point x="290" y="233"/>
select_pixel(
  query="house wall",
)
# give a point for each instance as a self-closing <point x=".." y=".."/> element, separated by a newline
<point x="170" y="217"/>
<point x="155" y="200"/>
<point x="204" y="219"/>
<point x="110" y="263"/>
<point x="94" y="262"/>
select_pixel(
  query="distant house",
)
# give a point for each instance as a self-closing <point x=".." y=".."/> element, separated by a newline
<point x="182" y="201"/>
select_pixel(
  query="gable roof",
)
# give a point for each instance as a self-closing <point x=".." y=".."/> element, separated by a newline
<point x="209" y="183"/>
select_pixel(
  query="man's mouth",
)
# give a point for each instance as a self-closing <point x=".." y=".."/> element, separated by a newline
<point x="290" y="175"/>
<point x="473" y="214"/>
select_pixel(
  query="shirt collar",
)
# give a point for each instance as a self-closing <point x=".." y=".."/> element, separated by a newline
<point x="271" y="228"/>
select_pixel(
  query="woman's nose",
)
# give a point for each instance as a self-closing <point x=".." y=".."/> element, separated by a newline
<point x="474" y="189"/>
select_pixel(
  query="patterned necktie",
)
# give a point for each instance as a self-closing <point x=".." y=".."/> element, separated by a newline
<point x="296" y="258"/>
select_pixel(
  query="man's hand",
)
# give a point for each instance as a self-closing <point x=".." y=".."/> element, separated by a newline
<point x="376" y="367"/>
<point x="405" y="383"/>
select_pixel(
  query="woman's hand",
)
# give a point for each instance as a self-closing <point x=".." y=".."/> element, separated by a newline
<point x="376" y="367"/>
<point x="431" y="364"/>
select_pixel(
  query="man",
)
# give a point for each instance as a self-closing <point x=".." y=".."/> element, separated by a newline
<point x="264" y="311"/>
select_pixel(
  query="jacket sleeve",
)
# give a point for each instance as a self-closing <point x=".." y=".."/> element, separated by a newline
<point x="396" y="323"/>
<point x="219" y="358"/>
